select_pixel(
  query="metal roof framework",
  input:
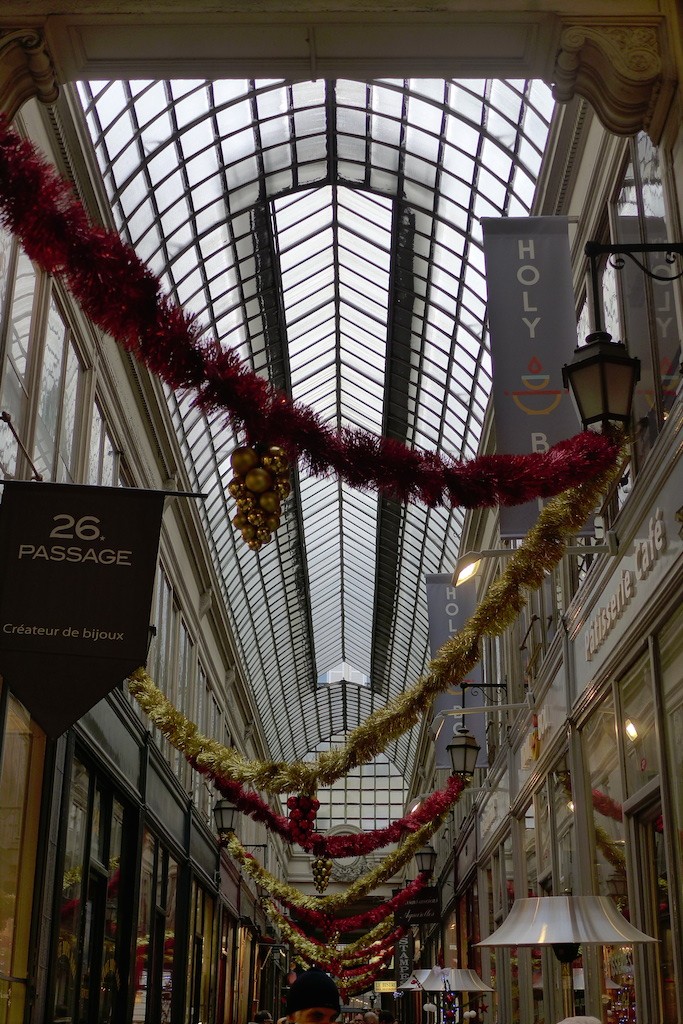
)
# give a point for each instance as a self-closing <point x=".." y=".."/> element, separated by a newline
<point x="330" y="233"/>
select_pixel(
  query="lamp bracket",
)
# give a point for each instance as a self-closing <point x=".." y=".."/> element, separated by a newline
<point x="616" y="253"/>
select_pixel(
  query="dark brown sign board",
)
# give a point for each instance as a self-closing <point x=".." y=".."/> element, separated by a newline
<point x="425" y="908"/>
<point x="77" y="569"/>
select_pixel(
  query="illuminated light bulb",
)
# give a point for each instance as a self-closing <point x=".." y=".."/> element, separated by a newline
<point x="468" y="571"/>
<point x="631" y="730"/>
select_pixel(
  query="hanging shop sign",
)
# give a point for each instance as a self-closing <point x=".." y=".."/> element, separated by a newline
<point x="403" y="959"/>
<point x="532" y="324"/>
<point x="385" y="986"/>
<point x="425" y="908"/>
<point x="448" y="609"/>
<point x="77" y="567"/>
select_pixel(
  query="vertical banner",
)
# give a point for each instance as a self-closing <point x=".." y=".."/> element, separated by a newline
<point x="77" y="568"/>
<point x="532" y="323"/>
<point x="403" y="959"/>
<point x="448" y="608"/>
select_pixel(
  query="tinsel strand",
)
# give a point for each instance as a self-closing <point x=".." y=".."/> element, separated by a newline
<point x="124" y="297"/>
<point x="526" y="569"/>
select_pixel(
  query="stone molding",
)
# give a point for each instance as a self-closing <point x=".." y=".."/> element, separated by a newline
<point x="26" y="69"/>
<point x="621" y="64"/>
<point x="623" y="70"/>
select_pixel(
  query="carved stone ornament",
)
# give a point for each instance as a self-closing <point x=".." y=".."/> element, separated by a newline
<point x="26" y="69"/>
<point x="620" y="69"/>
<point x="349" y="869"/>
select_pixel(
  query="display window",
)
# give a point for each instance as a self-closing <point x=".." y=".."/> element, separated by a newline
<point x="90" y="960"/>
<point x="201" y="961"/>
<point x="22" y="749"/>
<point x="155" y="949"/>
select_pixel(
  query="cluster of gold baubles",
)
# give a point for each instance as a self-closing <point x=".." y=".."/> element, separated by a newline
<point x="322" y="869"/>
<point x="260" y="484"/>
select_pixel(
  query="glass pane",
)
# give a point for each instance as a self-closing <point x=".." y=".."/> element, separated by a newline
<point x="50" y="394"/>
<point x="638" y="726"/>
<point x="74" y="888"/>
<point x="72" y="404"/>
<point x="169" y="938"/>
<point x="14" y="778"/>
<point x="671" y="654"/>
<point x="143" y="964"/>
<point x="110" y="984"/>
<point x="13" y="398"/>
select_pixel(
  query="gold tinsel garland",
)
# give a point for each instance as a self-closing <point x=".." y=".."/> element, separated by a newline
<point x="541" y="551"/>
<point x="339" y="901"/>
<point x="326" y="954"/>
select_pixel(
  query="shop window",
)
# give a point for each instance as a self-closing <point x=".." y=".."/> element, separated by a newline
<point x="60" y="397"/>
<point x="90" y="961"/>
<point x="16" y="349"/>
<point x="103" y="455"/>
<point x="41" y="371"/>
<point x="21" y="763"/>
<point x="637" y="726"/>
<point x="671" y="660"/>
<point x="201" y="962"/>
<point x="155" y="949"/>
<point x="649" y="320"/>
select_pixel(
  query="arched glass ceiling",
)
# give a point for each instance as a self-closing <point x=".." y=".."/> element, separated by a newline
<point x="330" y="233"/>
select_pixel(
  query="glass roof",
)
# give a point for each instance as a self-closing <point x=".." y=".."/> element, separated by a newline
<point x="330" y="233"/>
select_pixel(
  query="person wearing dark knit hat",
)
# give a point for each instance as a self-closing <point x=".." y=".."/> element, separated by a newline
<point x="313" y="999"/>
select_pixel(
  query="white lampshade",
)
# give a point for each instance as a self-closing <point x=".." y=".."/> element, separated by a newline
<point x="565" y="920"/>
<point x="434" y="980"/>
<point x="415" y="980"/>
<point x="464" y="979"/>
<point x="454" y="979"/>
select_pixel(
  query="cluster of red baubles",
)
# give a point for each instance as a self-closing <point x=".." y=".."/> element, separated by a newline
<point x="260" y="483"/>
<point x="449" y="1012"/>
<point x="302" y="812"/>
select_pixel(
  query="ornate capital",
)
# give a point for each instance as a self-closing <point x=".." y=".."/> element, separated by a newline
<point x="26" y="70"/>
<point x="621" y="69"/>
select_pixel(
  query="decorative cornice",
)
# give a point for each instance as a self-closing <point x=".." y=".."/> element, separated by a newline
<point x="623" y="70"/>
<point x="26" y="69"/>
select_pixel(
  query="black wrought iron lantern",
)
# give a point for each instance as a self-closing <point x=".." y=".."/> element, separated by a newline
<point x="602" y="378"/>
<point x="463" y="751"/>
<point x="224" y="814"/>
<point x="425" y="858"/>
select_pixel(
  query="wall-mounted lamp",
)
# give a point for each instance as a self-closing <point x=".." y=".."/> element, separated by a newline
<point x="225" y="816"/>
<point x="425" y="858"/>
<point x="602" y="379"/>
<point x="463" y="751"/>
<point x="467" y="565"/>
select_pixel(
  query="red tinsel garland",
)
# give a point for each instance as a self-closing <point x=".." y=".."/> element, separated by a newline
<point x="367" y="919"/>
<point x="350" y="845"/>
<point x="124" y="297"/>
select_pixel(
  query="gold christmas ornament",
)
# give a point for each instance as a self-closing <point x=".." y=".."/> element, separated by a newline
<point x="243" y="459"/>
<point x="258" y="480"/>
<point x="259" y="484"/>
<point x="269" y="502"/>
